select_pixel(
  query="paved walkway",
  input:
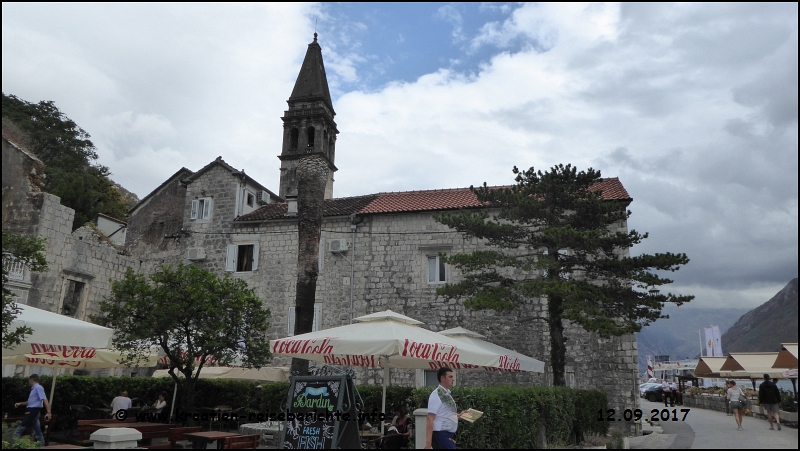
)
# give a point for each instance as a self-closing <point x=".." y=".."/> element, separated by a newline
<point x="711" y="429"/>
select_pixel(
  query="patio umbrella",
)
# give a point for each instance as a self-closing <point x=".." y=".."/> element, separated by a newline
<point x="59" y="338"/>
<point x="386" y="340"/>
<point x="510" y="360"/>
<point x="266" y="374"/>
<point x="56" y="333"/>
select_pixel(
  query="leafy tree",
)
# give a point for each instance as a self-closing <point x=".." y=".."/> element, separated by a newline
<point x="69" y="157"/>
<point x="553" y="238"/>
<point x="192" y="315"/>
<point x="31" y="253"/>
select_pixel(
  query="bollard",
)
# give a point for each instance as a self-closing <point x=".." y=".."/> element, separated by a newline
<point x="115" y="438"/>
<point x="420" y="425"/>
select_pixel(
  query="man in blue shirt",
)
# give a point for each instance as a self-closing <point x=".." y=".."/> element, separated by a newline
<point x="36" y="400"/>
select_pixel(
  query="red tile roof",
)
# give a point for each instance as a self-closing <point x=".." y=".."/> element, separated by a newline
<point x="411" y="201"/>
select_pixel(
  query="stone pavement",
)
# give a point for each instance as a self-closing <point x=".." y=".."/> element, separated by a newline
<point x="711" y="429"/>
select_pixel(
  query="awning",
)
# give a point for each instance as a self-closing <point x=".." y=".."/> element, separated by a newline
<point x="751" y="365"/>
<point x="787" y="358"/>
<point x="516" y="361"/>
<point x="709" y="366"/>
<point x="265" y="374"/>
<point x="79" y="359"/>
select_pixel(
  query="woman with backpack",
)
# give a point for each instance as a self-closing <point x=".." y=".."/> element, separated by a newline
<point x="736" y="400"/>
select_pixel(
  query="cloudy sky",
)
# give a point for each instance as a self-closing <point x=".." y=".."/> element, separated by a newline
<point x="693" y="107"/>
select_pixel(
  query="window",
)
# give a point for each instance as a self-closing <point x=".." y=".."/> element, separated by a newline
<point x="251" y="199"/>
<point x="310" y="132"/>
<point x="430" y="379"/>
<point x="437" y="270"/>
<point x="201" y="208"/>
<point x="241" y="258"/>
<point x="72" y="298"/>
<point x="315" y="326"/>
<point x="294" y="138"/>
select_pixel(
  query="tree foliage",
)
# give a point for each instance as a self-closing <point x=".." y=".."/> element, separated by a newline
<point x="69" y="157"/>
<point x="552" y="236"/>
<point x="192" y="315"/>
<point x="31" y="253"/>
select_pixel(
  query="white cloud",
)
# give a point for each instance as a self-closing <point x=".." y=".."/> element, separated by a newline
<point x="693" y="106"/>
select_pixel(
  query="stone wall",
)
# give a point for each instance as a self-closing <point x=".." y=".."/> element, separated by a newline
<point x="158" y="216"/>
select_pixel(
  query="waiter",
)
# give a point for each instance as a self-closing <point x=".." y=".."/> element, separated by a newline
<point x="442" y="413"/>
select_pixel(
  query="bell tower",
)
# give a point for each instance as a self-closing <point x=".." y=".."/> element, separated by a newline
<point x="308" y="126"/>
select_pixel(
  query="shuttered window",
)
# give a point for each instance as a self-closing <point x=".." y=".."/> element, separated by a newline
<point x="242" y="257"/>
<point x="315" y="326"/>
<point x="201" y="208"/>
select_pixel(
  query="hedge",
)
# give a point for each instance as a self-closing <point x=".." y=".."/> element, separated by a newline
<point x="512" y="415"/>
<point x="511" y="418"/>
<point x="99" y="391"/>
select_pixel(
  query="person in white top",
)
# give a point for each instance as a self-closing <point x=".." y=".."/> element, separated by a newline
<point x="159" y="405"/>
<point x="665" y="392"/>
<point x="442" y="413"/>
<point x="735" y="397"/>
<point x="121" y="402"/>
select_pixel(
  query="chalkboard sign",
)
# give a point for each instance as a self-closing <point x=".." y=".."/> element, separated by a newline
<point x="321" y="413"/>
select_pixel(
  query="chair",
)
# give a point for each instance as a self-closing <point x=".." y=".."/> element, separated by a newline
<point x="209" y="413"/>
<point x="394" y="441"/>
<point x="241" y="417"/>
<point x="78" y="412"/>
<point x="241" y="442"/>
<point x="177" y="435"/>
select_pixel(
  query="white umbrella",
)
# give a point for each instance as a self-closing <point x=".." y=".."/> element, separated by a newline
<point x="510" y="360"/>
<point x="59" y="337"/>
<point x="266" y="374"/>
<point x="56" y="333"/>
<point x="387" y="340"/>
<point x="79" y="359"/>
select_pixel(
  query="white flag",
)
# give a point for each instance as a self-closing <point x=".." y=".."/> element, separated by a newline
<point x="709" y="342"/>
<point x="717" y="341"/>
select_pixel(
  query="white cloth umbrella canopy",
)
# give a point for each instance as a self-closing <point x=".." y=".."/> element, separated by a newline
<point x="56" y="333"/>
<point x="386" y="340"/>
<point x="266" y="374"/>
<point x="511" y="360"/>
<point x="79" y="359"/>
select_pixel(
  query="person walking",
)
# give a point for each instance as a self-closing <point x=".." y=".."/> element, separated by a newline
<point x="443" y="418"/>
<point x="769" y="397"/>
<point x="725" y="395"/>
<point x="736" y="397"/>
<point x="33" y="407"/>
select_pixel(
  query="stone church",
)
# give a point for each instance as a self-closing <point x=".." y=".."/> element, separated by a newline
<point x="377" y="251"/>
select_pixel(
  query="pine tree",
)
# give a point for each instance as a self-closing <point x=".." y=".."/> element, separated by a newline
<point x="553" y="237"/>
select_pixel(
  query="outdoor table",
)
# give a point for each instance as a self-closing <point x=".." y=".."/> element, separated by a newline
<point x="203" y="439"/>
<point x="141" y="427"/>
<point x="262" y="429"/>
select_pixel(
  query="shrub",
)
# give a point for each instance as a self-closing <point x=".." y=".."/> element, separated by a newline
<point x="24" y="442"/>
<point x="512" y="415"/>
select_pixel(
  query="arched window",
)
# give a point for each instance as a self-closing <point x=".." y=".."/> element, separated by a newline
<point x="331" y="142"/>
<point x="295" y="137"/>
<point x="324" y="138"/>
<point x="311" y="132"/>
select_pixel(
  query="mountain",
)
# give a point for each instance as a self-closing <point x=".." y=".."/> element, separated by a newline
<point x="128" y="197"/>
<point x="764" y="328"/>
<point x="677" y="336"/>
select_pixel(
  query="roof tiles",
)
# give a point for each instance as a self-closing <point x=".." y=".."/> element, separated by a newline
<point x="412" y="201"/>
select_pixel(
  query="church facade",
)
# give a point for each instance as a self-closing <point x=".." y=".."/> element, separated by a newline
<point x="377" y="251"/>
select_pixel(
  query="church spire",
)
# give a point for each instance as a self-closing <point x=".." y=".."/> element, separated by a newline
<point x="308" y="125"/>
<point x="312" y="83"/>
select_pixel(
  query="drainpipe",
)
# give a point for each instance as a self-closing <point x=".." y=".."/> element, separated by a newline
<point x="353" y="226"/>
<point x="352" y="269"/>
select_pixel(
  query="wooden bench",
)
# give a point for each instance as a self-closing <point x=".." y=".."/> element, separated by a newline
<point x="177" y="434"/>
<point x="151" y="432"/>
<point x="241" y="442"/>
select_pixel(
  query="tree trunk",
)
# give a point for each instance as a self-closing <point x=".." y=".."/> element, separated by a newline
<point x="312" y="176"/>
<point x="190" y="399"/>
<point x="558" y="349"/>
